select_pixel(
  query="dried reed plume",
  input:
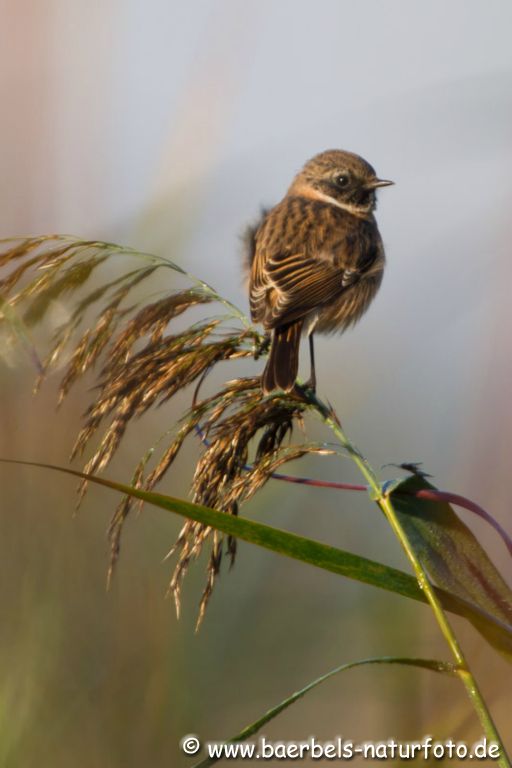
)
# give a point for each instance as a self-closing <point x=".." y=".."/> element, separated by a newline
<point x="142" y="362"/>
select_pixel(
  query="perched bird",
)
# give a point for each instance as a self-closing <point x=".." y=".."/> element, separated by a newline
<point x="315" y="260"/>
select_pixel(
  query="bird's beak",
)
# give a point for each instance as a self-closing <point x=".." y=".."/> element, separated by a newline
<point x="379" y="183"/>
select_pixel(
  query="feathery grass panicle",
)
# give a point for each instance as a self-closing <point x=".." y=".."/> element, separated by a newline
<point x="222" y="480"/>
<point x="141" y="365"/>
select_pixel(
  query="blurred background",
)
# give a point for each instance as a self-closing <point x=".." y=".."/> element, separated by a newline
<point x="165" y="126"/>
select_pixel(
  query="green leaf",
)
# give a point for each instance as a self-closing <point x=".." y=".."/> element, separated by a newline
<point x="449" y="550"/>
<point x="498" y="633"/>
<point x="250" y="730"/>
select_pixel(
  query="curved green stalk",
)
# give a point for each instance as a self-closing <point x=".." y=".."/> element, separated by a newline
<point x="380" y="496"/>
<point x="250" y="730"/>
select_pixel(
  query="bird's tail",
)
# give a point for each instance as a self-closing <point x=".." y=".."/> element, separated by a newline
<point x="283" y="360"/>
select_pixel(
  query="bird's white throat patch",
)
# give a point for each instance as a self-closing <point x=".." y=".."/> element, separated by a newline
<point x="304" y="190"/>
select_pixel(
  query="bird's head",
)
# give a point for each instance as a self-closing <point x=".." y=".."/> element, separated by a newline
<point x="340" y="178"/>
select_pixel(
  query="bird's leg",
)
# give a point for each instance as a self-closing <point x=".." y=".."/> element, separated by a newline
<point x="311" y="383"/>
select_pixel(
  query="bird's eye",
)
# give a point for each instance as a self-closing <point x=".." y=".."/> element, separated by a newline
<point x="341" y="181"/>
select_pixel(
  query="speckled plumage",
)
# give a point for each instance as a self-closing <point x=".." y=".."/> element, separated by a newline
<point x="316" y="259"/>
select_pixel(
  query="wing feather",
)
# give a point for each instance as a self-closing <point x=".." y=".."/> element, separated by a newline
<point x="288" y="288"/>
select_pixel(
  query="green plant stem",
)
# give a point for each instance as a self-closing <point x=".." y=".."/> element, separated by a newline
<point x="250" y="730"/>
<point x="384" y="502"/>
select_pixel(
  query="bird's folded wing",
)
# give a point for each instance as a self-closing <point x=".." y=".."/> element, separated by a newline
<point x="300" y="285"/>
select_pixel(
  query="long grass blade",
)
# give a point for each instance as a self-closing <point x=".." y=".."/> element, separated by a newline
<point x="253" y="728"/>
<point x="323" y="556"/>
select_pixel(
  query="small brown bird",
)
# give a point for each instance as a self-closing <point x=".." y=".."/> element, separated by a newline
<point x="316" y="259"/>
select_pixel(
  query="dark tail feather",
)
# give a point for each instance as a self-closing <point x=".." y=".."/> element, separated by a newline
<point x="283" y="360"/>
